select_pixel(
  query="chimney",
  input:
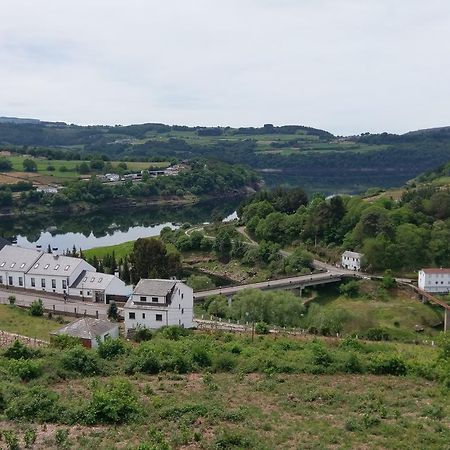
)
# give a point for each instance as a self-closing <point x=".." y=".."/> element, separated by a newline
<point x="55" y="252"/>
<point x="116" y="273"/>
<point x="39" y="247"/>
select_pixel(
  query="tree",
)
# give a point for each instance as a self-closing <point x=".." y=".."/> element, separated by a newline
<point x="83" y="168"/>
<point x="113" y="311"/>
<point x="151" y="259"/>
<point x="223" y="245"/>
<point x="37" y="308"/>
<point x="5" y="165"/>
<point x="29" y="165"/>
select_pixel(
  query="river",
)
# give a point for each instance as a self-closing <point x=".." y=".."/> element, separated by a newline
<point x="109" y="228"/>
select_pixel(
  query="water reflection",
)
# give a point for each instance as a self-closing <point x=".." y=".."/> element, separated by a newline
<point x="108" y="228"/>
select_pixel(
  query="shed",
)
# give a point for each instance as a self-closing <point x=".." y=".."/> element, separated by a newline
<point x="90" y="331"/>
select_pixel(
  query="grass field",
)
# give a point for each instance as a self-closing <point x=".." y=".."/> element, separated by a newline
<point x="44" y="175"/>
<point x="397" y="310"/>
<point x="120" y="250"/>
<point x="17" y="320"/>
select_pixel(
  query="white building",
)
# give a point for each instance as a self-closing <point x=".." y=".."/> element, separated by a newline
<point x="55" y="273"/>
<point x="156" y="303"/>
<point x="100" y="287"/>
<point x="434" y="280"/>
<point x="15" y="263"/>
<point x="90" y="331"/>
<point x="352" y="260"/>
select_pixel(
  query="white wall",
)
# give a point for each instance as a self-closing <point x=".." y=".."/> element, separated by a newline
<point x="83" y="265"/>
<point x="179" y="312"/>
<point x="15" y="274"/>
<point x="351" y="263"/>
<point x="118" y="287"/>
<point x="434" y="282"/>
<point x="113" y="333"/>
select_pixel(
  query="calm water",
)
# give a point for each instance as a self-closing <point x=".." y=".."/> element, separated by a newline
<point x="105" y="228"/>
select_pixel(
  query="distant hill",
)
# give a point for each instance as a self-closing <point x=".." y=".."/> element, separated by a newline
<point x="18" y="120"/>
<point x="290" y="154"/>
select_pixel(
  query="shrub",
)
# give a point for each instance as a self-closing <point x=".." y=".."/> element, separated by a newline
<point x="320" y="355"/>
<point x="200" y="355"/>
<point x="33" y="404"/>
<point x="11" y="439"/>
<point x="388" y="281"/>
<point x="232" y="439"/>
<point x="392" y="365"/>
<point x="18" y="350"/>
<point x="111" y="348"/>
<point x="12" y="300"/>
<point x="173" y="332"/>
<point x="141" y="333"/>
<point x="377" y="334"/>
<point x="113" y="311"/>
<point x="64" y="341"/>
<point x="24" y="369"/>
<point x="37" y="308"/>
<point x="29" y="437"/>
<point x="115" y="402"/>
<point x="224" y="362"/>
<point x="80" y="360"/>
<point x="143" y="360"/>
<point x="350" y="289"/>
<point x="262" y="328"/>
<point x="62" y="438"/>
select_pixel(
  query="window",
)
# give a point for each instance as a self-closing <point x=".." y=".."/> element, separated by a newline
<point x="81" y="292"/>
<point x="143" y="315"/>
<point x="142" y="299"/>
<point x="84" y="279"/>
<point x="53" y="284"/>
<point x="182" y="295"/>
<point x="3" y="264"/>
<point x="12" y="265"/>
<point x="64" y="284"/>
<point x="159" y="317"/>
<point x="92" y="279"/>
<point x="100" y="280"/>
<point x="155" y="299"/>
<point x="46" y="266"/>
<point x="131" y="315"/>
<point x="33" y="282"/>
<point x="36" y="265"/>
<point x="57" y="267"/>
<point x="1" y="279"/>
<point x="22" y="265"/>
<point x="43" y="282"/>
<point x="182" y="310"/>
<point x="20" y="281"/>
<point x="67" y="267"/>
<point x="10" y="281"/>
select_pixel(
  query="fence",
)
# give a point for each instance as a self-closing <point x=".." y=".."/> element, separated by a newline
<point x="62" y="309"/>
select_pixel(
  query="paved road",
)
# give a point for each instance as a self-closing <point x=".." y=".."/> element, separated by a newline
<point x="25" y="299"/>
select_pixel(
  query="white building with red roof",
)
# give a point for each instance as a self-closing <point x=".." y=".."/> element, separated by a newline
<point x="435" y="280"/>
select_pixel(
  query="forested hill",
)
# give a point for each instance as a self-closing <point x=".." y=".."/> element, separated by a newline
<point x="291" y="154"/>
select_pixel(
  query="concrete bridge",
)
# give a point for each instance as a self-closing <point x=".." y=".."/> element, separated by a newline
<point x="298" y="282"/>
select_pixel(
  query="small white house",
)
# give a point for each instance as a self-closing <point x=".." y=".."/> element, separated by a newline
<point x="100" y="287"/>
<point x="90" y="331"/>
<point x="434" y="280"/>
<point x="15" y="263"/>
<point x="156" y="303"/>
<point x="55" y="273"/>
<point x="352" y="260"/>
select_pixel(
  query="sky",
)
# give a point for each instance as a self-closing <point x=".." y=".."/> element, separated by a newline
<point x="347" y="66"/>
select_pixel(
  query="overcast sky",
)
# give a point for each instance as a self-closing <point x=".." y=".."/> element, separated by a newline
<point x="347" y="66"/>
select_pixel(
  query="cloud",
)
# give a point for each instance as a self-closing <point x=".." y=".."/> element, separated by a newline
<point x="347" y="66"/>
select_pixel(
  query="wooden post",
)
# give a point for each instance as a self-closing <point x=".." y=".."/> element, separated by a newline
<point x="96" y="314"/>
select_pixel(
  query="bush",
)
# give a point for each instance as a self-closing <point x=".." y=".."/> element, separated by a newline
<point x="320" y="355"/>
<point x="11" y="439"/>
<point x="24" y="369"/>
<point x="80" y="360"/>
<point x="12" y="300"/>
<point x="173" y="332"/>
<point x="62" y="437"/>
<point x="224" y="362"/>
<point x="18" y="350"/>
<point x="392" y="365"/>
<point x="113" y="403"/>
<point x="350" y="289"/>
<point x="34" y="404"/>
<point x="141" y="333"/>
<point x="113" y="311"/>
<point x="111" y="348"/>
<point x="37" y="308"/>
<point x="64" y="341"/>
<point x="29" y="437"/>
<point x="144" y="360"/>
<point x="262" y="328"/>
<point x="377" y="334"/>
